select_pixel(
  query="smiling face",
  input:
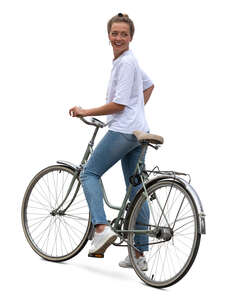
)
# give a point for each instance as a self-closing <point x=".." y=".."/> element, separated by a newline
<point x="120" y="38"/>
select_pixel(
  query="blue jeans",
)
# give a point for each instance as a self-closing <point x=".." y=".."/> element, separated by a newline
<point x="113" y="147"/>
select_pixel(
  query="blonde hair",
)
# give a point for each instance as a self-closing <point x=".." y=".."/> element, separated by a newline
<point x="121" y="18"/>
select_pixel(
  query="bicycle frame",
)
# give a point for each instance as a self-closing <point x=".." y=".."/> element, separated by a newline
<point x="79" y="168"/>
<point x="166" y="175"/>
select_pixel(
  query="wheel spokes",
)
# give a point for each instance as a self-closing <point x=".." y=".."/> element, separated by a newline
<point x="172" y="210"/>
<point x="56" y="235"/>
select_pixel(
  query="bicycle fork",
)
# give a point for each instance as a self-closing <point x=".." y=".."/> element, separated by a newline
<point x="57" y="211"/>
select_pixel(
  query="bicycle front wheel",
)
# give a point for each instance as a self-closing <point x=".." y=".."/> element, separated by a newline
<point x="171" y="244"/>
<point x="55" y="237"/>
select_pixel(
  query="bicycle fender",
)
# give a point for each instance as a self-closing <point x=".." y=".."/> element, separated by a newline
<point x="68" y="164"/>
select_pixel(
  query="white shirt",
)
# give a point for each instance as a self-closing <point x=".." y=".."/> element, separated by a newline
<point x="126" y="86"/>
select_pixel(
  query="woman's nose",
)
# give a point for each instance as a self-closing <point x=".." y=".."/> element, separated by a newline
<point x="118" y="37"/>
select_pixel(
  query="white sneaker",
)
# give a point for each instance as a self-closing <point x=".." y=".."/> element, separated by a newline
<point x="141" y="262"/>
<point x="102" y="241"/>
<point x="126" y="263"/>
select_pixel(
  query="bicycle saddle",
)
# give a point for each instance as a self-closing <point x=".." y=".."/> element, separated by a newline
<point x="148" y="137"/>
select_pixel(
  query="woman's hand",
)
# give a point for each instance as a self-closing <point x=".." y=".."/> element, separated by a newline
<point x="76" y="111"/>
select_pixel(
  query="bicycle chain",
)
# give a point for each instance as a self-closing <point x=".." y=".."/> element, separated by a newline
<point x="128" y="244"/>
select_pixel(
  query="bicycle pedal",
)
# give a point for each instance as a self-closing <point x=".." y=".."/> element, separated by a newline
<point x="96" y="255"/>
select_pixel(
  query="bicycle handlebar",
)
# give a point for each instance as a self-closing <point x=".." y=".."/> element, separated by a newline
<point x="94" y="122"/>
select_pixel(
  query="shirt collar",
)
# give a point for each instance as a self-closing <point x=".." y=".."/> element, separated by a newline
<point x="122" y="55"/>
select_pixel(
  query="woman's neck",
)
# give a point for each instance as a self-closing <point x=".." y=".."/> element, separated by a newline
<point x="116" y="55"/>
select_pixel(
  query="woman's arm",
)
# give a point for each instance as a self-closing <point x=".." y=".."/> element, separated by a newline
<point x="147" y="93"/>
<point x="107" y="109"/>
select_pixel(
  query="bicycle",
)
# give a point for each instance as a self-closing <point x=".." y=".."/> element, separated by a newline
<point x="57" y="222"/>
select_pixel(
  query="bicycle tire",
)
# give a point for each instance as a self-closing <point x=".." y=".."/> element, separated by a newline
<point x="58" y="234"/>
<point x="163" y="254"/>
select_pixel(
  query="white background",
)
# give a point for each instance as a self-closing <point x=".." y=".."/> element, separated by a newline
<point x="54" y="55"/>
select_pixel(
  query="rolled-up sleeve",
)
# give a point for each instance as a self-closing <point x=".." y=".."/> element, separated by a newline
<point x="125" y="80"/>
<point x="147" y="82"/>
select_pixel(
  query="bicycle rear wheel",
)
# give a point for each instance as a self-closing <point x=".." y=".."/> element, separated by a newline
<point x="174" y="239"/>
<point x="55" y="237"/>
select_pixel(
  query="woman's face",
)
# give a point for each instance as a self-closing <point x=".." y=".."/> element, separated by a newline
<point x="119" y="37"/>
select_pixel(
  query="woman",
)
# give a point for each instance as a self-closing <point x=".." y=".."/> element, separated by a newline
<point x="128" y="91"/>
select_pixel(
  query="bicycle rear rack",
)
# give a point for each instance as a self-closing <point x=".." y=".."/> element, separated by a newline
<point x="157" y="171"/>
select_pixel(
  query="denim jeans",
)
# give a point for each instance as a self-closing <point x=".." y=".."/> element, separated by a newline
<point x="113" y="147"/>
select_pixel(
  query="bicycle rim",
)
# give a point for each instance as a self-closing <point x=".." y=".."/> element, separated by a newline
<point x="55" y="237"/>
<point x="171" y="209"/>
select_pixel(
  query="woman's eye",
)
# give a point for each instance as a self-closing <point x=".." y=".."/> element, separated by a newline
<point x="122" y="34"/>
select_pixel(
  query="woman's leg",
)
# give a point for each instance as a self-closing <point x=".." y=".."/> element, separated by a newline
<point x="129" y="162"/>
<point x="113" y="147"/>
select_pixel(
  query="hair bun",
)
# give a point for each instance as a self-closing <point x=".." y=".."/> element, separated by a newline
<point x="123" y="15"/>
